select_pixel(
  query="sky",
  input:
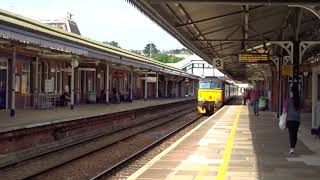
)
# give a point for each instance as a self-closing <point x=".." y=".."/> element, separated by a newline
<point x="101" y="20"/>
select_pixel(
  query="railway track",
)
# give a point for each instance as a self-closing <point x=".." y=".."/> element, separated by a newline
<point x="107" y="172"/>
<point x="122" y="170"/>
<point x="37" y="166"/>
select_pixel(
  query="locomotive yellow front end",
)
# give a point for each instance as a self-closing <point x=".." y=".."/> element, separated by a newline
<point x="210" y="96"/>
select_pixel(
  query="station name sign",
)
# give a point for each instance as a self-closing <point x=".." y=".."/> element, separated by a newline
<point x="253" y="57"/>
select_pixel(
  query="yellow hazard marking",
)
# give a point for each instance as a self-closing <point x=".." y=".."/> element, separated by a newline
<point x="170" y="148"/>
<point x="204" y="168"/>
<point x="227" y="154"/>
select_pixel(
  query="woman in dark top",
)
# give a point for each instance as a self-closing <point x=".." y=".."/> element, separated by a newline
<point x="65" y="98"/>
<point x="293" y="109"/>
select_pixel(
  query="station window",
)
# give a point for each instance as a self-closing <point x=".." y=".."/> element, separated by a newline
<point x="39" y="77"/>
<point x="25" y="78"/>
<point x="188" y="67"/>
<point x="198" y="65"/>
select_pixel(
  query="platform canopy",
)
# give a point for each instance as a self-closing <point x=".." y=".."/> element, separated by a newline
<point x="226" y="28"/>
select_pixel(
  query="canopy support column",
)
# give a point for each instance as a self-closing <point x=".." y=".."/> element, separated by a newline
<point x="107" y="84"/>
<point x="131" y="86"/>
<point x="13" y="84"/>
<point x="279" y="87"/>
<point x="72" y="86"/>
<point x="36" y="88"/>
<point x="166" y="88"/>
<point x="157" y="86"/>
<point x="145" y="87"/>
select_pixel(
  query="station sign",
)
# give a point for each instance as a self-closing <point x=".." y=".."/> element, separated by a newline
<point x="151" y="79"/>
<point x="118" y="75"/>
<point x="286" y="70"/>
<point x="253" y="57"/>
<point x="218" y="63"/>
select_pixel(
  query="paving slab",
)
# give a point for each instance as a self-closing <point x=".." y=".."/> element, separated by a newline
<point x="235" y="144"/>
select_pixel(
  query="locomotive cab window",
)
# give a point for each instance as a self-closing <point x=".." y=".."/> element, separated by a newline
<point x="210" y="85"/>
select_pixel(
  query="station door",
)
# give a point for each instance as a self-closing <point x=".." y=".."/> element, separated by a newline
<point x="3" y="88"/>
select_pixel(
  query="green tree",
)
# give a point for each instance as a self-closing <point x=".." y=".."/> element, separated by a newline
<point x="112" y="43"/>
<point x="183" y="50"/>
<point x="136" y="51"/>
<point x="166" y="58"/>
<point x="151" y="47"/>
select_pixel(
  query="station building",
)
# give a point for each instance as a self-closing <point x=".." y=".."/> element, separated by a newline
<point x="195" y="65"/>
<point x="40" y="62"/>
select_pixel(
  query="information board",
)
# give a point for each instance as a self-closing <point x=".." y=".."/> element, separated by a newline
<point x="253" y="58"/>
<point x="48" y="85"/>
<point x="151" y="79"/>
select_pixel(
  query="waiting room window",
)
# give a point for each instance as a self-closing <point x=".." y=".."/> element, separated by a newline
<point x="25" y="78"/>
<point x="39" y="77"/>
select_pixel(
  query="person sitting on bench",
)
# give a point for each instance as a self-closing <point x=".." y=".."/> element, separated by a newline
<point x="65" y="99"/>
<point x="102" y="97"/>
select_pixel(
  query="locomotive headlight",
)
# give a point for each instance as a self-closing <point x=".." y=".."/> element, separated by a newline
<point x="201" y="102"/>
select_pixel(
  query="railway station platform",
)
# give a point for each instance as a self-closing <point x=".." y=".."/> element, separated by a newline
<point x="29" y="118"/>
<point x="235" y="144"/>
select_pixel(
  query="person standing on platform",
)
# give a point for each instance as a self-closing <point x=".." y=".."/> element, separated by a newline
<point x="255" y="95"/>
<point x="245" y="96"/>
<point x="293" y="108"/>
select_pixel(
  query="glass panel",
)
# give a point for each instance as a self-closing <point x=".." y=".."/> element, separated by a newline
<point x="210" y="85"/>
<point x="25" y="78"/>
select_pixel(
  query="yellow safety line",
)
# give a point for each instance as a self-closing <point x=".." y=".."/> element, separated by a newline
<point x="202" y="172"/>
<point x="227" y="154"/>
<point x="166" y="151"/>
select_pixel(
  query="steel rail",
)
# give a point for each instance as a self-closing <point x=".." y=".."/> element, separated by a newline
<point x="152" y="145"/>
<point x="105" y="146"/>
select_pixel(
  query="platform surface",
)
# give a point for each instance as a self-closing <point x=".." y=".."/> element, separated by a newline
<point x="234" y="144"/>
<point x="27" y="118"/>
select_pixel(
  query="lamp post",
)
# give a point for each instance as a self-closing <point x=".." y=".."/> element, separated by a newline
<point x="74" y="64"/>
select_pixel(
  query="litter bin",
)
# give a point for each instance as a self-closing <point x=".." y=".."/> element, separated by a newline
<point x="262" y="103"/>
